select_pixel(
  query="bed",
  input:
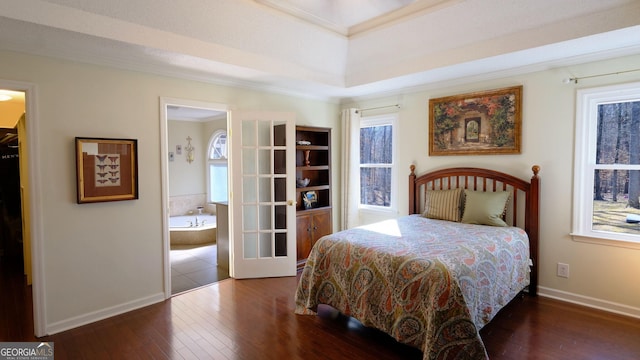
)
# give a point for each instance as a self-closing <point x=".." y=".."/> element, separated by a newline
<point x="434" y="278"/>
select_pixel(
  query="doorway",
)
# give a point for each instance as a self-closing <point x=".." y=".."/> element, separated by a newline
<point x="10" y="203"/>
<point x="189" y="211"/>
<point x="12" y="259"/>
<point x="15" y="207"/>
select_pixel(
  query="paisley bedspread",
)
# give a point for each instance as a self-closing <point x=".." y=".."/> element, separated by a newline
<point x="431" y="284"/>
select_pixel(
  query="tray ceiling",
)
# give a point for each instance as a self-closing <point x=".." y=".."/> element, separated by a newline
<point x="353" y="16"/>
<point x="326" y="48"/>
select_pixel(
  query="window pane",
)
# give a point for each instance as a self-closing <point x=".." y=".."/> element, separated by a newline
<point x="265" y="217"/>
<point x="264" y="132"/>
<point x="249" y="161"/>
<point x="616" y="206"/>
<point x="375" y="186"/>
<point x="249" y="188"/>
<point x="280" y="189"/>
<point x="218" y="184"/>
<point x="618" y="133"/>
<point x="280" y="216"/>
<point x="376" y="145"/>
<point x="218" y="148"/>
<point x="281" y="244"/>
<point x="249" y="218"/>
<point x="265" y="189"/>
<point x="249" y="133"/>
<point x="264" y="161"/>
<point x="250" y="248"/>
<point x="265" y="245"/>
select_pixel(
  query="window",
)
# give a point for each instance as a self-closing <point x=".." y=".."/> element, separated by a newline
<point x="377" y="165"/>
<point x="217" y="165"/>
<point x="607" y="164"/>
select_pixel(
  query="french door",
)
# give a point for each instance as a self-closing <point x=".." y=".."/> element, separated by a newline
<point x="262" y="201"/>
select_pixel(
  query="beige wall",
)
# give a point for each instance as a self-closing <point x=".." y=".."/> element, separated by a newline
<point x="104" y="258"/>
<point x="187" y="178"/>
<point x="600" y="275"/>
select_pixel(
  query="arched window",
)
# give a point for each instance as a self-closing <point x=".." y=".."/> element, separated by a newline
<point x="218" y="145"/>
<point x="217" y="167"/>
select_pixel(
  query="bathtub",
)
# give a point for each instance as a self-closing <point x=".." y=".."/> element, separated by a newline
<point x="184" y="231"/>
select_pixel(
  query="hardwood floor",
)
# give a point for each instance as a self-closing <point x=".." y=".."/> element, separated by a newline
<point x="254" y="319"/>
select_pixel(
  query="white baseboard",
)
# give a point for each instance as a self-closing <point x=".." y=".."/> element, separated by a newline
<point x="102" y="314"/>
<point x="591" y="302"/>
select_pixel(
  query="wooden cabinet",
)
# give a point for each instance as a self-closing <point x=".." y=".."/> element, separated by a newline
<point x="311" y="226"/>
<point x="313" y="162"/>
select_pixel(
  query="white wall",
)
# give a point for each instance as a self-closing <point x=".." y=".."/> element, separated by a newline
<point x="104" y="258"/>
<point x="601" y="275"/>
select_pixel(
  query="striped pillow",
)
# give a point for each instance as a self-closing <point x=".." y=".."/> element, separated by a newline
<point x="442" y="204"/>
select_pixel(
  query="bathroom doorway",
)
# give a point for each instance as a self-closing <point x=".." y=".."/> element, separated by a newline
<point x="193" y="185"/>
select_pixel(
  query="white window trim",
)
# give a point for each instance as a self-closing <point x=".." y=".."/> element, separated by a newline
<point x="587" y="101"/>
<point x="378" y="120"/>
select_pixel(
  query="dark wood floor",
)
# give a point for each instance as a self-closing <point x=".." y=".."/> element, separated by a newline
<point x="254" y="319"/>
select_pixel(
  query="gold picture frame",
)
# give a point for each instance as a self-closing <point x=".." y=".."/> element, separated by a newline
<point x="479" y="123"/>
<point x="106" y="169"/>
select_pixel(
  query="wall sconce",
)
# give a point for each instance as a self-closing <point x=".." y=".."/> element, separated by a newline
<point x="189" y="149"/>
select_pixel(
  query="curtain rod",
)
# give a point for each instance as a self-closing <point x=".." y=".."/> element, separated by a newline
<point x="379" y="107"/>
<point x="575" y="79"/>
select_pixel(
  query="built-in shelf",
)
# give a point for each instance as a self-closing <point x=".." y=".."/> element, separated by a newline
<point x="313" y="162"/>
<point x="318" y="187"/>
<point x="314" y="167"/>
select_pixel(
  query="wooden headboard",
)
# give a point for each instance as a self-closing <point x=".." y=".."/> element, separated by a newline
<point x="522" y="209"/>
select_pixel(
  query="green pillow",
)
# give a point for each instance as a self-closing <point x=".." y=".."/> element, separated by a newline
<point x="442" y="204"/>
<point x="485" y="208"/>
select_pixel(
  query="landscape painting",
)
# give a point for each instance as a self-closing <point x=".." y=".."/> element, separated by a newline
<point x="487" y="122"/>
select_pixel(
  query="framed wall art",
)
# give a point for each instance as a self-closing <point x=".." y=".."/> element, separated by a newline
<point x="106" y="169"/>
<point x="487" y="122"/>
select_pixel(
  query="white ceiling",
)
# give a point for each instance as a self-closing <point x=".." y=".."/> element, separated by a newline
<point x="330" y="49"/>
<point x="352" y="16"/>
<point x="186" y="113"/>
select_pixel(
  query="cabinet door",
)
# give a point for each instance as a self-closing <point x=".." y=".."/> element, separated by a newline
<point x="303" y="236"/>
<point x="321" y="225"/>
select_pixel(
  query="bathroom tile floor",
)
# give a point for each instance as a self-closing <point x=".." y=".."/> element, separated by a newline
<point x="193" y="267"/>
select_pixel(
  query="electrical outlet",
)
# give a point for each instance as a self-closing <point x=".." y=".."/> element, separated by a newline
<point x="563" y="270"/>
